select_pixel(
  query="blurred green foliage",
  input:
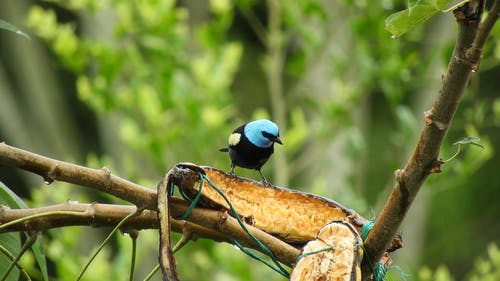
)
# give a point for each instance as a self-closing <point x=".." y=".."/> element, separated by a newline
<point x="166" y="86"/>
<point x="165" y="81"/>
<point x="485" y="269"/>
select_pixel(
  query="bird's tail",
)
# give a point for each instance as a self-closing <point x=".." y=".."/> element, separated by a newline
<point x="224" y="149"/>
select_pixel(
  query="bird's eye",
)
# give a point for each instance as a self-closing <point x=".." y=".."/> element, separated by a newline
<point x="268" y="135"/>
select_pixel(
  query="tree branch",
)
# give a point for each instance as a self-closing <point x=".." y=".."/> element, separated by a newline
<point x="101" y="180"/>
<point x="167" y="260"/>
<point x="424" y="161"/>
<point x="95" y="215"/>
<point x="218" y="226"/>
<point x="486" y="26"/>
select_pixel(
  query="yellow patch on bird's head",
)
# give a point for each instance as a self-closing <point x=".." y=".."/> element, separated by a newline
<point x="234" y="139"/>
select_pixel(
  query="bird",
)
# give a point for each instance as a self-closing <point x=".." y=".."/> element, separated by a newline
<point x="251" y="144"/>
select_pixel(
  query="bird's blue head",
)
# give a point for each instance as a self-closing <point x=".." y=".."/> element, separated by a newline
<point x="262" y="133"/>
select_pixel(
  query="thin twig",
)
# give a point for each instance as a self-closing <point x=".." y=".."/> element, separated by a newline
<point x="424" y="160"/>
<point x="39" y="215"/>
<point x="133" y="236"/>
<point x="9" y="255"/>
<point x="31" y="239"/>
<point x="187" y="235"/>
<point x="96" y="215"/>
<point x="123" y="221"/>
<point x="487" y="25"/>
<point x="152" y="273"/>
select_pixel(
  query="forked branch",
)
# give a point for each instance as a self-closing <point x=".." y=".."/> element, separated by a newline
<point x="425" y="159"/>
<point x="212" y="224"/>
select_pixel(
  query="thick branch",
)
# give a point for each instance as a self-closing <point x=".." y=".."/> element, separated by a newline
<point x="96" y="215"/>
<point x="223" y="222"/>
<point x="101" y="180"/>
<point x="217" y="225"/>
<point x="100" y="215"/>
<point x="424" y="160"/>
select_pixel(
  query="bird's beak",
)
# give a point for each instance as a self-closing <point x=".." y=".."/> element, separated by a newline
<point x="278" y="140"/>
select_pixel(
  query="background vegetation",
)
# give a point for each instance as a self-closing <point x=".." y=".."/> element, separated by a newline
<point x="138" y="86"/>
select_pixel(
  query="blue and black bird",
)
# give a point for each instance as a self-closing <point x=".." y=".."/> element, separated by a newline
<point x="251" y="144"/>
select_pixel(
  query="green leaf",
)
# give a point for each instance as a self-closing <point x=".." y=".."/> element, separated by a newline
<point x="12" y="241"/>
<point x="412" y="3"/>
<point x="40" y="257"/>
<point x="10" y="27"/>
<point x="438" y="4"/>
<point x="9" y="198"/>
<point x="441" y="4"/>
<point x="401" y="22"/>
<point x="470" y="140"/>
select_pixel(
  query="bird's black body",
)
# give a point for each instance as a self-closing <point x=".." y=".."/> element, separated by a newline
<point x="250" y="147"/>
<point x="247" y="155"/>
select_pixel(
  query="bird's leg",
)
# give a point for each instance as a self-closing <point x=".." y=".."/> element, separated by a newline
<point x="231" y="172"/>
<point x="263" y="178"/>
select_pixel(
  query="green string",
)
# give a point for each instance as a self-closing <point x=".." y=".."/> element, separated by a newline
<point x="193" y="204"/>
<point x="379" y="270"/>
<point x="367" y="227"/>
<point x="315" y="252"/>
<point x="254" y="256"/>
<point x="171" y="188"/>
<point x="276" y="266"/>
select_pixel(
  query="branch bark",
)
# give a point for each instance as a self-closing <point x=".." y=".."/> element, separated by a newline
<point x="96" y="215"/>
<point x="217" y="225"/>
<point x="102" y="180"/>
<point x="424" y="161"/>
<point x="167" y="260"/>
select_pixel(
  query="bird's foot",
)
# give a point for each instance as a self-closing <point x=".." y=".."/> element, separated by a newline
<point x="264" y="180"/>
